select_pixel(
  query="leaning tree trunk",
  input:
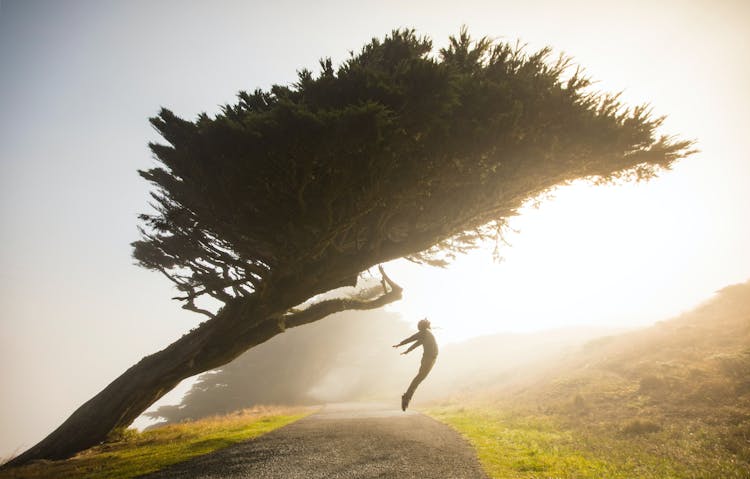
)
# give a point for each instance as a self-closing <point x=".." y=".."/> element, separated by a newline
<point x="241" y="324"/>
<point x="122" y="401"/>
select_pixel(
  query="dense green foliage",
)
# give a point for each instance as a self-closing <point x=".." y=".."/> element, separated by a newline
<point x="400" y="151"/>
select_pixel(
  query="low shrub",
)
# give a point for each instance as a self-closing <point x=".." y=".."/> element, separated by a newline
<point x="640" y="426"/>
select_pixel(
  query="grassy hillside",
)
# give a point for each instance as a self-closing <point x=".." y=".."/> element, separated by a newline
<point x="130" y="453"/>
<point x="670" y="401"/>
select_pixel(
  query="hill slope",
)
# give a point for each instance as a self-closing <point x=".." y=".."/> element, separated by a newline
<point x="672" y="400"/>
<point x="696" y="366"/>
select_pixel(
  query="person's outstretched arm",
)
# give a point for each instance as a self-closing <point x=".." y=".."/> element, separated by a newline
<point x="412" y="347"/>
<point x="411" y="338"/>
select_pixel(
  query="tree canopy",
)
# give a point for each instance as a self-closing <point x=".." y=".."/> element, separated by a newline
<point x="398" y="152"/>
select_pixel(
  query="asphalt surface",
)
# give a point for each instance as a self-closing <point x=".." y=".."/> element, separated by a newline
<point x="343" y="441"/>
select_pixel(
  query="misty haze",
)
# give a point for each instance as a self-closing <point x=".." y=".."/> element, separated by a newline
<point x="414" y="240"/>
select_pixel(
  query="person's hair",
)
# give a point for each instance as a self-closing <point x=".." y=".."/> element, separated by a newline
<point x="423" y="324"/>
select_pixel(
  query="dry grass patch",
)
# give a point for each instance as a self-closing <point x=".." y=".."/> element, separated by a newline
<point x="131" y="453"/>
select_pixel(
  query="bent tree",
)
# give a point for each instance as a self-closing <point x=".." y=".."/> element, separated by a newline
<point x="294" y="192"/>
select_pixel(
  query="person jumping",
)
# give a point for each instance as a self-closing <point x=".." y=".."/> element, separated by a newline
<point x="424" y="338"/>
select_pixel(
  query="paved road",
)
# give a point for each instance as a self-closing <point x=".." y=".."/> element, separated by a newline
<point x="343" y="441"/>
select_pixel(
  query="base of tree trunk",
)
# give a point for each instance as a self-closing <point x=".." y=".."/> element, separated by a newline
<point x="123" y="400"/>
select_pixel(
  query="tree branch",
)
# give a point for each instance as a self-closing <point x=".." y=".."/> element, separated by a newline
<point x="391" y="292"/>
<point x="215" y="289"/>
<point x="190" y="306"/>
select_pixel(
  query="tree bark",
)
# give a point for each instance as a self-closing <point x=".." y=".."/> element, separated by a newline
<point x="123" y="400"/>
<point x="238" y="326"/>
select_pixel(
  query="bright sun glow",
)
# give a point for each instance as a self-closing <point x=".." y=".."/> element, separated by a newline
<point x="590" y="256"/>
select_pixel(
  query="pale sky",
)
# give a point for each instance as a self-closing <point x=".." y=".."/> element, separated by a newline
<point x="78" y="81"/>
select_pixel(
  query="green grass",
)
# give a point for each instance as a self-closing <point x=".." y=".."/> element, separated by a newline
<point x="515" y="444"/>
<point x="668" y="401"/>
<point x="137" y="453"/>
<point x="523" y="447"/>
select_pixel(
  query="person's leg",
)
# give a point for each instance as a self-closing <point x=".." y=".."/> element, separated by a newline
<point x="424" y="370"/>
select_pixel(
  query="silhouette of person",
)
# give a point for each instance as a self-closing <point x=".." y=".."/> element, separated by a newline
<point x="424" y="338"/>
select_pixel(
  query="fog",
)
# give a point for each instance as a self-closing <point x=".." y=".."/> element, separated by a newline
<point x="349" y="357"/>
<point x="80" y="79"/>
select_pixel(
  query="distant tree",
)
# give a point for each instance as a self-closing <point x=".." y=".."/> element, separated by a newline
<point x="328" y="357"/>
<point x="399" y="152"/>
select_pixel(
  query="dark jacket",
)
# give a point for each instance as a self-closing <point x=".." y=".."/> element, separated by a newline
<point x="425" y="339"/>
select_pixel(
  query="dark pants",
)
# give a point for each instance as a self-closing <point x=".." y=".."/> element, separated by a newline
<point x="424" y="369"/>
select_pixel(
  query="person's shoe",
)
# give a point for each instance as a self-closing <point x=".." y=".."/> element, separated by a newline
<point x="404" y="402"/>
